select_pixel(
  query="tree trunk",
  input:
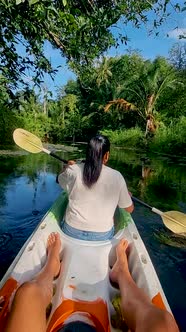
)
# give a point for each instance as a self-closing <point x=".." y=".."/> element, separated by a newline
<point x="45" y="110"/>
<point x="150" y="104"/>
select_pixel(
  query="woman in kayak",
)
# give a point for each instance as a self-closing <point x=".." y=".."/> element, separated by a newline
<point x="28" y="311"/>
<point x="94" y="191"/>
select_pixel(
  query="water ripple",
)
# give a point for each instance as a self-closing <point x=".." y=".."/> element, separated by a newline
<point x="4" y="240"/>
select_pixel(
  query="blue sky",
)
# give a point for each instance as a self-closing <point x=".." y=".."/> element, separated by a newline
<point x="149" y="45"/>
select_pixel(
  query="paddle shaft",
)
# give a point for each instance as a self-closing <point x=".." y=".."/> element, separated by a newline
<point x="160" y="213"/>
<point x="50" y="153"/>
<point x="141" y="202"/>
<point x="57" y="157"/>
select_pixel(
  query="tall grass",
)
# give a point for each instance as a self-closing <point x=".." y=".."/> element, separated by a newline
<point x="133" y="137"/>
<point x="171" y="139"/>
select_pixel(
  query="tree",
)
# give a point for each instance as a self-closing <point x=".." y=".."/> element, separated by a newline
<point x="79" y="29"/>
<point x="67" y="106"/>
<point x="144" y="89"/>
<point x="103" y="71"/>
<point x="28" y="102"/>
<point x="8" y="116"/>
<point x="173" y="103"/>
<point x="177" y="56"/>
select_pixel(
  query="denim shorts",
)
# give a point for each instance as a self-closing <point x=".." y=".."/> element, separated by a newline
<point x="86" y="235"/>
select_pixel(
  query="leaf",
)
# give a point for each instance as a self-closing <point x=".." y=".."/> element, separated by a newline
<point x="64" y="2"/>
<point x="18" y="2"/>
<point x="32" y="2"/>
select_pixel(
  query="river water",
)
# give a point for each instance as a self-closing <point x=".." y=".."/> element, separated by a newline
<point x="28" y="188"/>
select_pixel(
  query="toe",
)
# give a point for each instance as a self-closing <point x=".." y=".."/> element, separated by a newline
<point x="125" y="244"/>
<point x="122" y="246"/>
<point x="51" y="239"/>
<point x="57" y="236"/>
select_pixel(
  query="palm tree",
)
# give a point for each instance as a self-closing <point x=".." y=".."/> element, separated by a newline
<point x="142" y="91"/>
<point x="103" y="71"/>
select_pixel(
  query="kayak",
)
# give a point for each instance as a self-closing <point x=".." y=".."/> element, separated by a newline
<point x="83" y="283"/>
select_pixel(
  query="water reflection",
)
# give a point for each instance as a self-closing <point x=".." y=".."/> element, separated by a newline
<point x="161" y="183"/>
<point x="155" y="180"/>
<point x="28" y="188"/>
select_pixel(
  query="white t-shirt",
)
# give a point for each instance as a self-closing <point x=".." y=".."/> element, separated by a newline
<point x="92" y="209"/>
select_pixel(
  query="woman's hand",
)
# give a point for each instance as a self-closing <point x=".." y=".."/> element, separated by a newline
<point x="64" y="167"/>
<point x="71" y="162"/>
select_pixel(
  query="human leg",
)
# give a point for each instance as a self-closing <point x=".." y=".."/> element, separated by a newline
<point x="28" y="312"/>
<point x="140" y="314"/>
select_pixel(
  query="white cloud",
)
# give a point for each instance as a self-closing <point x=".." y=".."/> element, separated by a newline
<point x="176" y="33"/>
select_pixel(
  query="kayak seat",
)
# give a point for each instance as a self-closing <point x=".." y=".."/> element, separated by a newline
<point x="97" y="309"/>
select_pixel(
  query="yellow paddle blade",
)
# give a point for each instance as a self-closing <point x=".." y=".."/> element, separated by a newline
<point x="175" y="221"/>
<point x="27" y="141"/>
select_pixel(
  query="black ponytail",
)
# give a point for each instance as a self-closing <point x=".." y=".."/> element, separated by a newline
<point x="96" y="149"/>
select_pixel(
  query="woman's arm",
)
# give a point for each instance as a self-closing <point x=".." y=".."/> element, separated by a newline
<point x="130" y="208"/>
<point x="64" y="167"/>
<point x="125" y="201"/>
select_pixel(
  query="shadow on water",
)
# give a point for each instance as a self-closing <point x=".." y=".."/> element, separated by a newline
<point x="28" y="188"/>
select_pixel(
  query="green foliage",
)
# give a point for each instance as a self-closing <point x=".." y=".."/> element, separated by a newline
<point x="133" y="137"/>
<point x="171" y="139"/>
<point x="112" y="80"/>
<point x="38" y="123"/>
<point x="155" y="180"/>
<point x="79" y="29"/>
<point x="144" y="88"/>
<point x="67" y="105"/>
<point x="8" y="118"/>
<point x="8" y="123"/>
<point x="78" y="112"/>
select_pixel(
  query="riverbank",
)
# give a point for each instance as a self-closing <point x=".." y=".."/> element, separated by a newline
<point x="15" y="151"/>
<point x="167" y="140"/>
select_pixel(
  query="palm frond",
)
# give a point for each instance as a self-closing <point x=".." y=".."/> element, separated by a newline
<point x="121" y="104"/>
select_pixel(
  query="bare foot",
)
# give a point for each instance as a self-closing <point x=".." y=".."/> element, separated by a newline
<point x="53" y="250"/>
<point x="120" y="267"/>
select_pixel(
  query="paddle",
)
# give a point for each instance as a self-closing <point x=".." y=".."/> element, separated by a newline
<point x="30" y="142"/>
<point x="174" y="220"/>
